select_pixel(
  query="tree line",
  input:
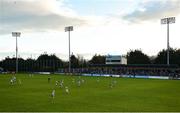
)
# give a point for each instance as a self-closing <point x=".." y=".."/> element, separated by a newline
<point x="51" y="63"/>
<point x="138" y="57"/>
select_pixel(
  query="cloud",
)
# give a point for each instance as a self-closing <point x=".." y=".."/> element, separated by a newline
<point x="150" y="10"/>
<point x="36" y="15"/>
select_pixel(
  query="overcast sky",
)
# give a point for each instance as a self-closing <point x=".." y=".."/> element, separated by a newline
<point x="100" y="26"/>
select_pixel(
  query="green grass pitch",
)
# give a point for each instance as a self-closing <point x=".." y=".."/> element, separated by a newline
<point x="92" y="96"/>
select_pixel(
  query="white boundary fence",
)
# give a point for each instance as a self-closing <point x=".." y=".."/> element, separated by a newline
<point x="129" y="76"/>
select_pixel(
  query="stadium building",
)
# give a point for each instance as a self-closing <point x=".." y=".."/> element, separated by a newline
<point x="110" y="59"/>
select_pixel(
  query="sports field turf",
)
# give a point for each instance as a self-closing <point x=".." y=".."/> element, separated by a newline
<point x="125" y="95"/>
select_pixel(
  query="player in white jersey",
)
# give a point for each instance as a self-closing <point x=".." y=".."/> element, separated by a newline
<point x="53" y="95"/>
<point x="61" y="83"/>
<point x="57" y="83"/>
<point x="67" y="90"/>
<point x="11" y="82"/>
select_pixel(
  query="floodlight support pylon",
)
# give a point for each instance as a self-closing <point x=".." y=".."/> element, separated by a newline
<point x="168" y="21"/>
<point x="69" y="29"/>
<point x="69" y="53"/>
<point x="16" y="54"/>
<point x="168" y="43"/>
<point x="16" y="34"/>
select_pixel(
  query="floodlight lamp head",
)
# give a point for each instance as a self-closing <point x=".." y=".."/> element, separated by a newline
<point x="169" y="20"/>
<point x="69" y="28"/>
<point x="16" y="34"/>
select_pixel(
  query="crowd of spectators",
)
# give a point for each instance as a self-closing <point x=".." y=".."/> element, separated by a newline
<point x="170" y="72"/>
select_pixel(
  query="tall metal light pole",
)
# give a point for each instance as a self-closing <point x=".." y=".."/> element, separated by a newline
<point x="69" y="29"/>
<point x="168" y="21"/>
<point x="16" y="34"/>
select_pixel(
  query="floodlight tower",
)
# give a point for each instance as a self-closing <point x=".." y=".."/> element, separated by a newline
<point x="16" y="34"/>
<point x="168" y="21"/>
<point x="69" y="29"/>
